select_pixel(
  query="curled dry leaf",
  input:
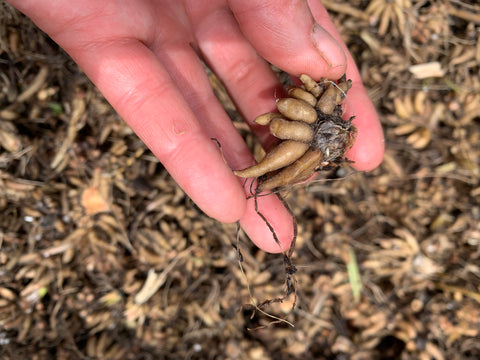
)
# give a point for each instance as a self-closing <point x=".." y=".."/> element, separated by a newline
<point x="417" y="118"/>
<point x="314" y="133"/>
<point x="389" y="15"/>
<point x="10" y="141"/>
<point x="95" y="199"/>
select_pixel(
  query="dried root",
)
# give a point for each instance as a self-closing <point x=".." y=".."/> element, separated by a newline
<point x="314" y="133"/>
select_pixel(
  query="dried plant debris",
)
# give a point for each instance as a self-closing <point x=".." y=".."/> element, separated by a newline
<point x="314" y="135"/>
<point x="103" y="256"/>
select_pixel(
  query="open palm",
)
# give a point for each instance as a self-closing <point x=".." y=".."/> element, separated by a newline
<point x="146" y="56"/>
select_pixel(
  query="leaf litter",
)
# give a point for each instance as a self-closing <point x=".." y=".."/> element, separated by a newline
<point x="89" y="229"/>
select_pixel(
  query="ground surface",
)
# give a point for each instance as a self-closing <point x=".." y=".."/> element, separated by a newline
<point x="102" y="256"/>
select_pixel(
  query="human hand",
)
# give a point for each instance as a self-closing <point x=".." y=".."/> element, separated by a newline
<point x="145" y="57"/>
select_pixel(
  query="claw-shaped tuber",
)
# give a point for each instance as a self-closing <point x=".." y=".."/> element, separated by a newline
<point x="299" y="171"/>
<point x="301" y="94"/>
<point x="282" y="155"/>
<point x="265" y="119"/>
<point x="291" y="130"/>
<point x="332" y="96"/>
<point x="315" y="136"/>
<point x="311" y="85"/>
<point x="295" y="109"/>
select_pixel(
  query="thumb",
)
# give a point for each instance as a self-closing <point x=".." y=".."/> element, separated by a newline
<point x="285" y="33"/>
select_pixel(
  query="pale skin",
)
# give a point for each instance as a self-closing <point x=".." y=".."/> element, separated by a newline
<point x="145" y="57"/>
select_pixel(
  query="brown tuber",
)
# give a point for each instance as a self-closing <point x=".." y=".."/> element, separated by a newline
<point x="311" y="85"/>
<point x="265" y="119"/>
<point x="332" y="96"/>
<point x="291" y="130"/>
<point x="296" y="109"/>
<point x="299" y="171"/>
<point x="314" y="135"/>
<point x="282" y="155"/>
<point x="301" y="94"/>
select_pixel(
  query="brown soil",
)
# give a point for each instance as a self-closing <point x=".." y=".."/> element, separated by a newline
<point x="102" y="256"/>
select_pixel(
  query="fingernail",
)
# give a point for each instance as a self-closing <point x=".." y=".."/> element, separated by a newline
<point x="327" y="46"/>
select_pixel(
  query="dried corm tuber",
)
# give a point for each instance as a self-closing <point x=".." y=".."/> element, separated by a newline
<point x="314" y="133"/>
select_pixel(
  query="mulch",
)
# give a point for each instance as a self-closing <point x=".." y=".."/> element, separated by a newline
<point x="103" y="256"/>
